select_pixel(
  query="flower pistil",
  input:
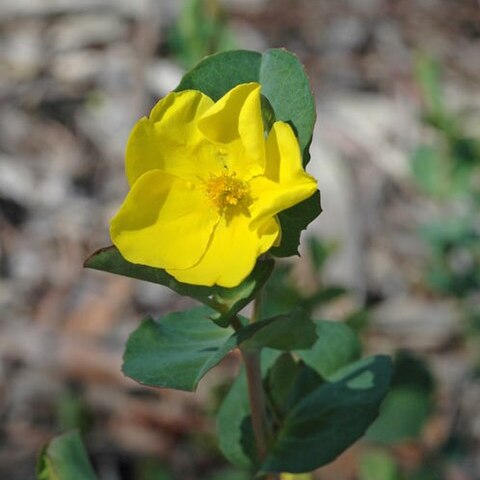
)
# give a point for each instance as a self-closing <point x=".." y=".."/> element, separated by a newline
<point x="226" y="190"/>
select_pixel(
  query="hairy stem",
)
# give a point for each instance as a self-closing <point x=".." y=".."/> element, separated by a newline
<point x="256" y="395"/>
<point x="257" y="401"/>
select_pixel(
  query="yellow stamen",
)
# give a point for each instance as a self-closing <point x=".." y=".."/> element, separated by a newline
<point x="225" y="190"/>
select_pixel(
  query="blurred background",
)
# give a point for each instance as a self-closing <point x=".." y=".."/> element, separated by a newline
<point x="396" y="253"/>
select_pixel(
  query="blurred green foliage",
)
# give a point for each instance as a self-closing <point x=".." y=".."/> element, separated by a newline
<point x="152" y="469"/>
<point x="282" y="293"/>
<point x="378" y="465"/>
<point x="448" y="170"/>
<point x="408" y="404"/>
<point x="201" y="30"/>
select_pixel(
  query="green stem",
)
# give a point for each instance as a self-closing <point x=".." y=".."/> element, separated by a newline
<point x="257" y="401"/>
<point x="256" y="395"/>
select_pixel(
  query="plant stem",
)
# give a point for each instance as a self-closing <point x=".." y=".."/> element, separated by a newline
<point x="256" y="394"/>
<point x="257" y="401"/>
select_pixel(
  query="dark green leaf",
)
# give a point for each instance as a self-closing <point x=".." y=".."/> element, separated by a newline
<point x="402" y="416"/>
<point x="227" y="301"/>
<point x="293" y="221"/>
<point x="110" y="260"/>
<point x="412" y="372"/>
<point x="235" y="435"/>
<point x="336" y="346"/>
<point x="217" y="74"/>
<point x="65" y="458"/>
<point x="280" y="381"/>
<point x="408" y="404"/>
<point x="329" y="420"/>
<point x="284" y="332"/>
<point x="179" y="349"/>
<point x="176" y="351"/>
<point x="287" y="88"/>
<point x="326" y="295"/>
<point x="305" y="383"/>
<point x="268" y="115"/>
<point x="293" y="331"/>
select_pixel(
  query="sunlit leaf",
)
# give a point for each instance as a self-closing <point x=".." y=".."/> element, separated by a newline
<point x="175" y="351"/>
<point x="336" y="346"/>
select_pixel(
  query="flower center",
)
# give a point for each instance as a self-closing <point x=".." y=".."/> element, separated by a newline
<point x="226" y="191"/>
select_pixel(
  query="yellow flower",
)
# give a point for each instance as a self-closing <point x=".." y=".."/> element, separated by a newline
<point x="206" y="185"/>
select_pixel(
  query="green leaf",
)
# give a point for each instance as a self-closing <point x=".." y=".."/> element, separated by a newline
<point x="284" y="332"/>
<point x="288" y="332"/>
<point x="329" y="420"/>
<point x="293" y="221"/>
<point x="412" y="372"/>
<point x="235" y="434"/>
<point x="280" y="381"/>
<point x="286" y="383"/>
<point x="336" y="346"/>
<point x="281" y="75"/>
<point x="408" y="404"/>
<point x="402" y="416"/>
<point x="64" y="458"/>
<point x="227" y="301"/>
<point x="288" y="90"/>
<point x="175" y="351"/>
<point x="326" y="295"/>
<point x="179" y="349"/>
<point x="217" y="74"/>
<point x="306" y="381"/>
<point x="110" y="260"/>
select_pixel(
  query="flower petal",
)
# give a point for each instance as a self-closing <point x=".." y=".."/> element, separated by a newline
<point x="163" y="222"/>
<point x="232" y="252"/>
<point x="284" y="183"/>
<point x="169" y="138"/>
<point x="238" y="116"/>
